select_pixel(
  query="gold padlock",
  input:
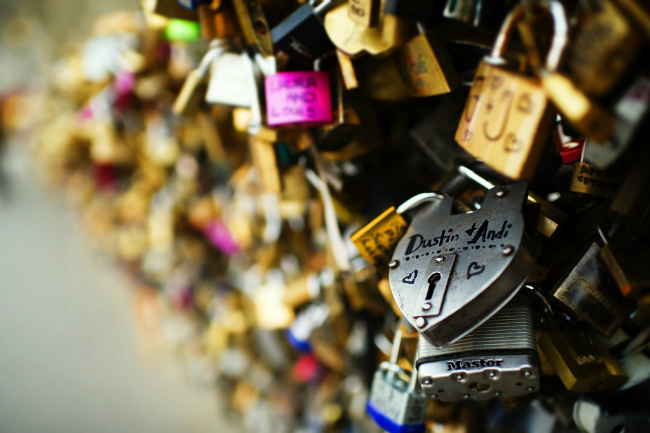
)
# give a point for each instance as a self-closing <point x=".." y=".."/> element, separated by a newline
<point x="602" y="50"/>
<point x="590" y="292"/>
<point x="364" y="12"/>
<point x="355" y="39"/>
<point x="377" y="240"/>
<point x="588" y="179"/>
<point x="425" y="65"/>
<point x="507" y="116"/>
<point x="587" y="116"/>
<point x="581" y="362"/>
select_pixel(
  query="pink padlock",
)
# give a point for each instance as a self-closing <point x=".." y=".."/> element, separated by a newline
<point x="298" y="97"/>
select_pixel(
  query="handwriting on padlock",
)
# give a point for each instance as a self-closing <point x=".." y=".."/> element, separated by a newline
<point x="410" y="278"/>
<point x="501" y="121"/>
<point x="474" y="269"/>
<point x="476" y="236"/>
<point x="298" y="97"/>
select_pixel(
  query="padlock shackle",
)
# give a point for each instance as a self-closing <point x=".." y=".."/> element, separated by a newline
<point x="560" y="32"/>
<point x="397" y="342"/>
<point x="414" y="373"/>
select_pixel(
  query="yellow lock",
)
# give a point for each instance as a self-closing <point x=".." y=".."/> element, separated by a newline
<point x="356" y="39"/>
<point x="581" y="362"/>
<point x="377" y="240"/>
<point x="507" y="116"/>
<point x="364" y="12"/>
<point x="582" y="112"/>
<point x="425" y="65"/>
<point x="603" y="50"/>
<point x="588" y="179"/>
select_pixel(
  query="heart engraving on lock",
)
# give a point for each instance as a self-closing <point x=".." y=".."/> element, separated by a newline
<point x="474" y="269"/>
<point x="467" y="266"/>
<point x="410" y="278"/>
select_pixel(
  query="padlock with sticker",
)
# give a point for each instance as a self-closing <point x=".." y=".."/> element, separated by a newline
<point x="425" y="65"/>
<point x="394" y="402"/>
<point x="298" y="97"/>
<point x="376" y="241"/>
<point x="450" y="273"/>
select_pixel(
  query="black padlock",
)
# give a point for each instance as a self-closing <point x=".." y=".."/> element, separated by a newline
<point x="301" y="35"/>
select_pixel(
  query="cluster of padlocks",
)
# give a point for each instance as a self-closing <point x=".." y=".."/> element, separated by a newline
<point x="411" y="215"/>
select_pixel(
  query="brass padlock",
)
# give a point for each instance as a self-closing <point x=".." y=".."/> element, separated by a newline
<point x="254" y="26"/>
<point x="425" y="65"/>
<point x="355" y="39"/>
<point x="581" y="362"/>
<point x="583" y="113"/>
<point x="377" y="240"/>
<point x="218" y="20"/>
<point x="590" y="292"/>
<point x="589" y="179"/>
<point x="507" y="116"/>
<point x="602" y="50"/>
<point x="364" y="12"/>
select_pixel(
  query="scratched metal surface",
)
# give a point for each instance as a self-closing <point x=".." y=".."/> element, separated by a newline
<point x="481" y="279"/>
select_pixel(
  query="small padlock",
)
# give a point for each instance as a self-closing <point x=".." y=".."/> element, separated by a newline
<point x="589" y="179"/>
<point x="507" y="116"/>
<point x="425" y="65"/>
<point x="254" y="26"/>
<point x="354" y="39"/>
<point x="394" y="402"/>
<point x="378" y="238"/>
<point x="376" y="241"/>
<point x="228" y="84"/>
<point x="626" y="257"/>
<point x="603" y="49"/>
<point x="451" y="272"/>
<point x="590" y="292"/>
<point x="218" y="20"/>
<point x="583" y="113"/>
<point x="581" y="362"/>
<point x="306" y="321"/>
<point x="466" y="11"/>
<point x="380" y="79"/>
<point x="497" y="359"/>
<point x="302" y="35"/>
<point x="300" y="97"/>
<point x="188" y="96"/>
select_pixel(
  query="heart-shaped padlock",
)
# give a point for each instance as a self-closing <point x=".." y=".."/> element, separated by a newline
<point x="450" y="273"/>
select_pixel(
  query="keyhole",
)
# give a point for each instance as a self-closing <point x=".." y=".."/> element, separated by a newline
<point x="433" y="280"/>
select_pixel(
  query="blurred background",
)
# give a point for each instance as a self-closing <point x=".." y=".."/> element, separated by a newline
<point x="75" y="354"/>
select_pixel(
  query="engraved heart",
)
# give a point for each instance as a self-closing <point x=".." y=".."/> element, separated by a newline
<point x="410" y="278"/>
<point x="474" y="269"/>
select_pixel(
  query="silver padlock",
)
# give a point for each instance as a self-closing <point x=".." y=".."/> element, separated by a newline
<point x="394" y="402"/>
<point x="229" y="83"/>
<point x="497" y="359"/>
<point x="467" y="11"/>
<point x="450" y="273"/>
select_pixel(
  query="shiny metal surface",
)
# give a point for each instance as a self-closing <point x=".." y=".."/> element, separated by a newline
<point x="498" y="359"/>
<point x="482" y="258"/>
